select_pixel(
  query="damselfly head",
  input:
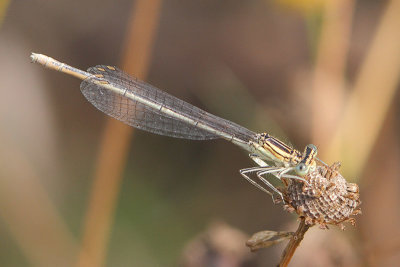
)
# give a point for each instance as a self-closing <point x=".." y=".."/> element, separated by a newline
<point x="307" y="163"/>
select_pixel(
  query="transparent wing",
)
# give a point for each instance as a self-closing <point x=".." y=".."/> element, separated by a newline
<point x="149" y="118"/>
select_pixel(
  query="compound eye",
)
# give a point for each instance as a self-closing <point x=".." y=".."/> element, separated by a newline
<point x="301" y="169"/>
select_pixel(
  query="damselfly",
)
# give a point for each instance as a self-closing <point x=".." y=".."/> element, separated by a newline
<point x="145" y="107"/>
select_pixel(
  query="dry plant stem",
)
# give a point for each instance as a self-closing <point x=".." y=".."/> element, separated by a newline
<point x="375" y="85"/>
<point x="28" y="212"/>
<point x="328" y="81"/>
<point x="3" y="9"/>
<point x="116" y="139"/>
<point x="294" y="243"/>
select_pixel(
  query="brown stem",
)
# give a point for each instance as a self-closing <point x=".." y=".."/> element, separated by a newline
<point x="294" y="243"/>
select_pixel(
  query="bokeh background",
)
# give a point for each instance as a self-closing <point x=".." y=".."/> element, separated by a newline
<point x="80" y="189"/>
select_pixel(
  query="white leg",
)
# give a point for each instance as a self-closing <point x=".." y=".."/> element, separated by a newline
<point x="326" y="165"/>
<point x="269" y="169"/>
<point x="282" y="174"/>
<point x="265" y="181"/>
<point x="289" y="176"/>
<point x="243" y="173"/>
<point x="255" y="169"/>
<point x="258" y="160"/>
<point x="294" y="177"/>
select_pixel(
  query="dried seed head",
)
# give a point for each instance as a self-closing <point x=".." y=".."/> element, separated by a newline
<point x="327" y="198"/>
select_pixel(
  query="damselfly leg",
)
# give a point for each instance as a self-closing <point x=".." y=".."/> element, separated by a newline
<point x="246" y="171"/>
<point x="282" y="173"/>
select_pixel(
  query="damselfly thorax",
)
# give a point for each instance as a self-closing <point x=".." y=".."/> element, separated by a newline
<point x="276" y="158"/>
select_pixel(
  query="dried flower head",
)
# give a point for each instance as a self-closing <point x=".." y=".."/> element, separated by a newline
<point x="327" y="198"/>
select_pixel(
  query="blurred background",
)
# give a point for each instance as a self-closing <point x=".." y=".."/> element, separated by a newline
<point x="80" y="189"/>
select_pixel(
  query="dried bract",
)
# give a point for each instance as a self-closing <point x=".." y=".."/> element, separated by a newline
<point x="327" y="198"/>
